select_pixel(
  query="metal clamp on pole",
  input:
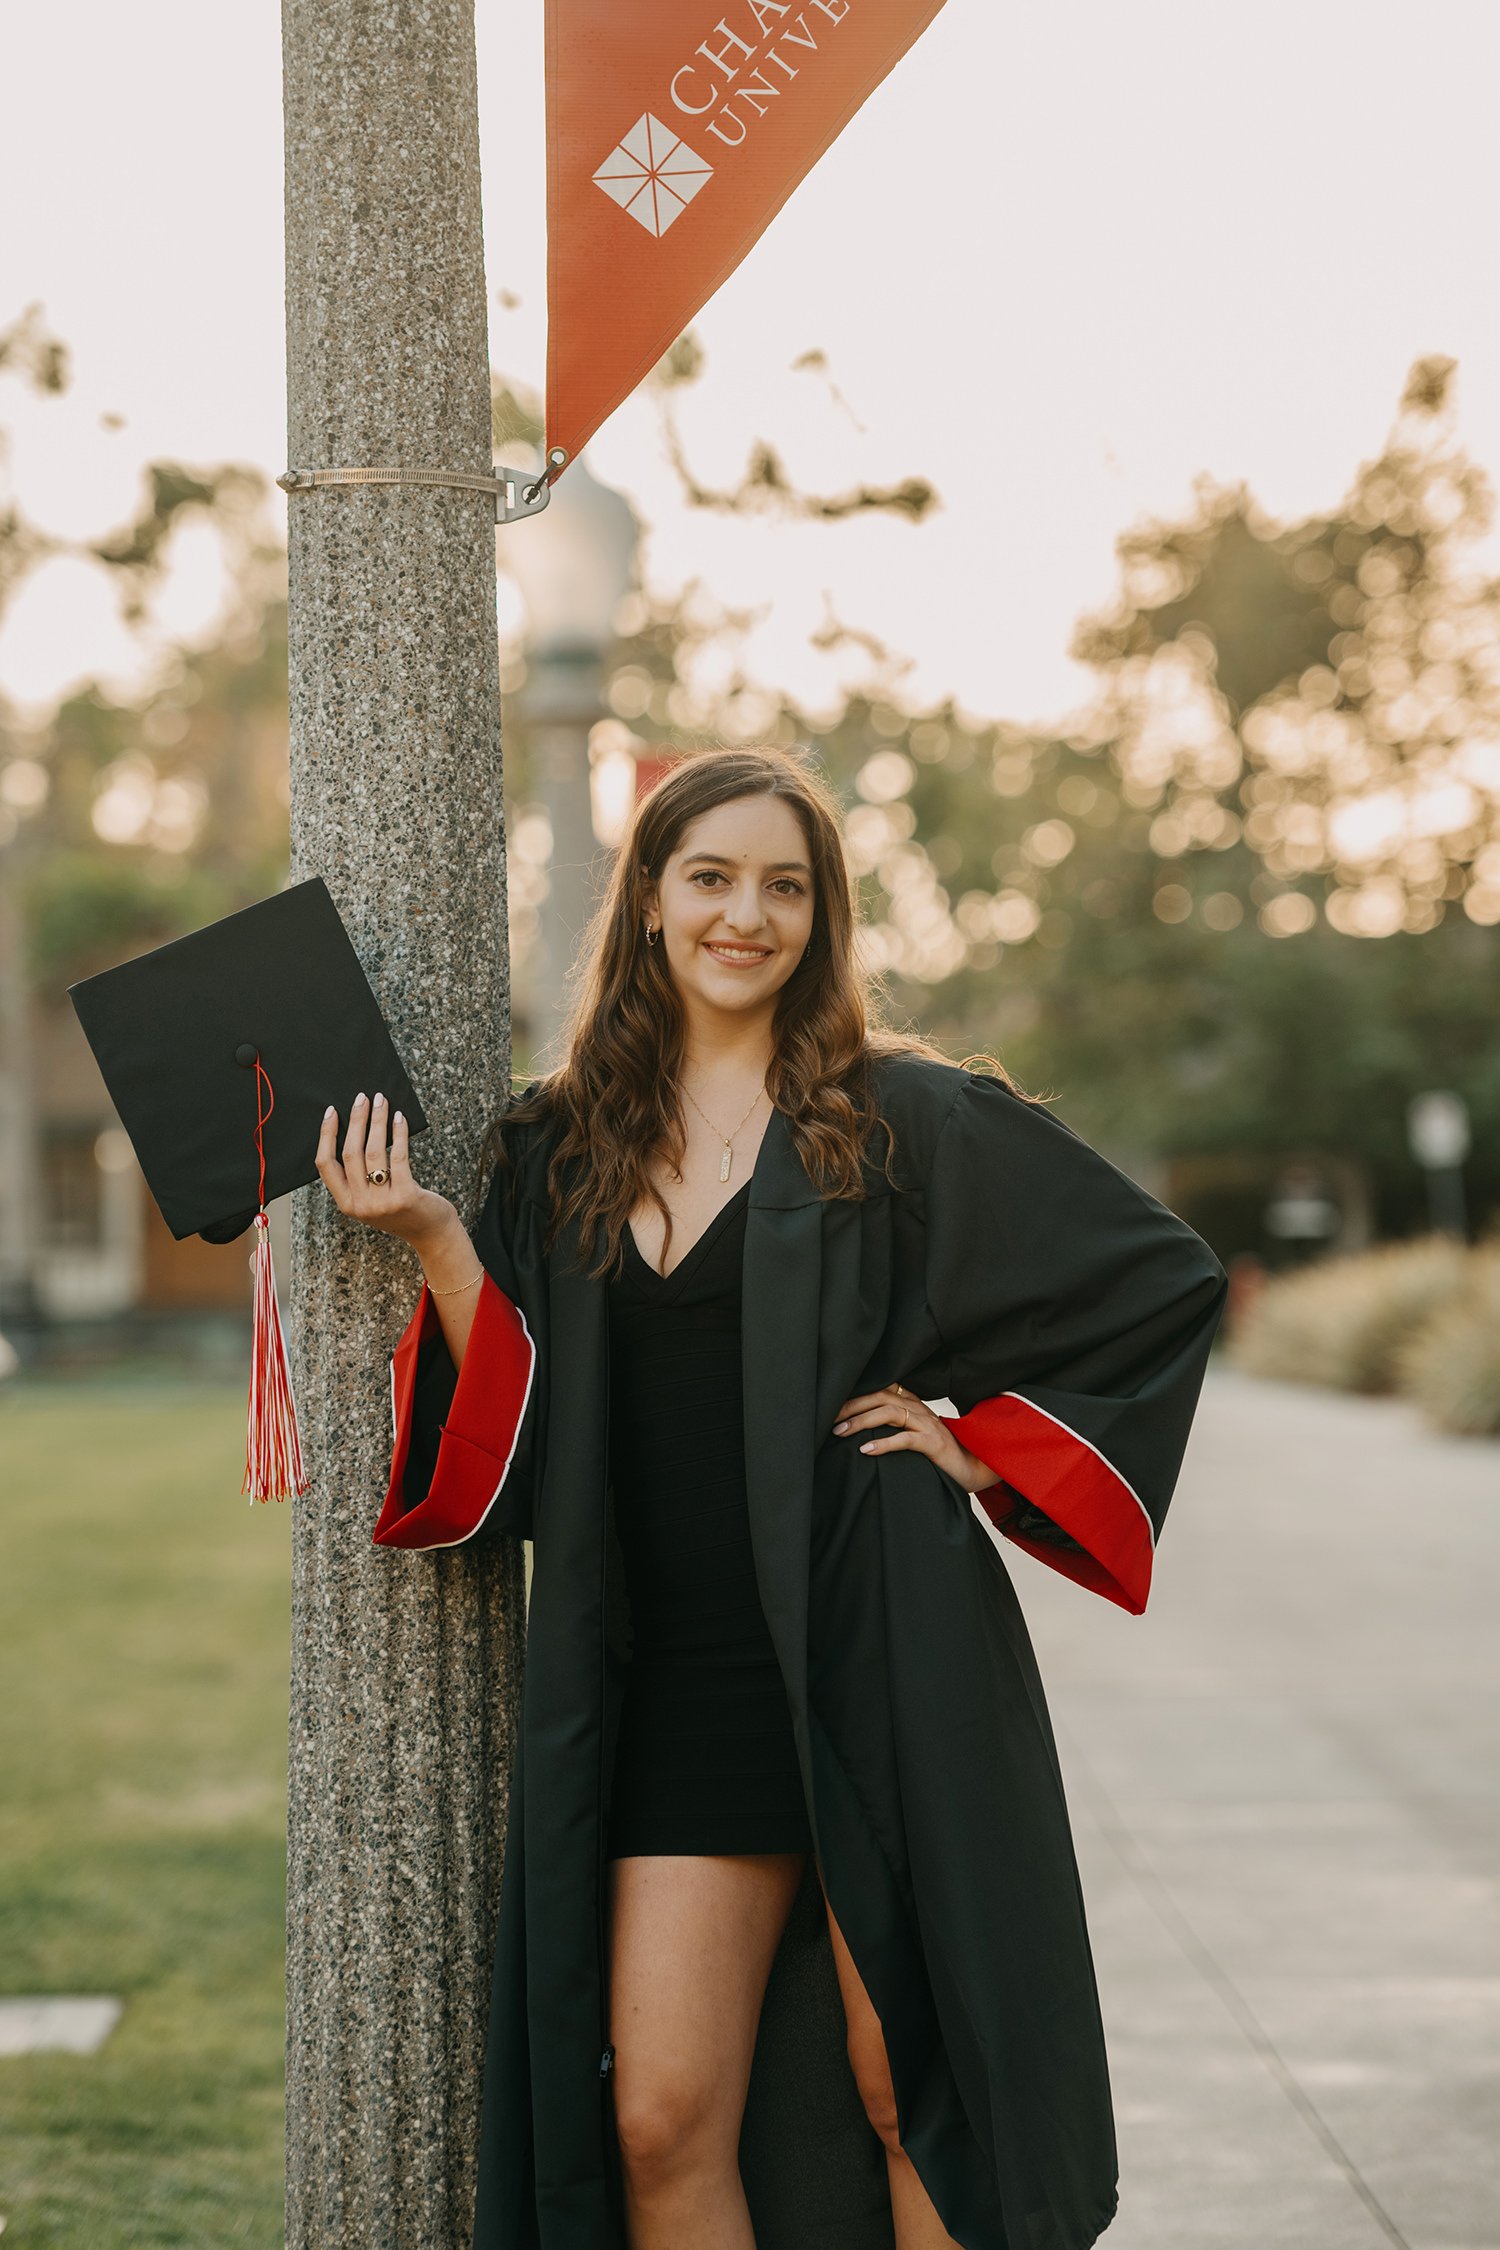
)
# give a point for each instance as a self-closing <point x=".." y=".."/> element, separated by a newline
<point x="518" y="492"/>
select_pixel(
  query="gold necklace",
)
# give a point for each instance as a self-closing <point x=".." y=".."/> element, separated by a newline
<point x="713" y="1128"/>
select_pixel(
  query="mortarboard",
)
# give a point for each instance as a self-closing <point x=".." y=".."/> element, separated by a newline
<point x="221" y="1052"/>
<point x="176" y="1034"/>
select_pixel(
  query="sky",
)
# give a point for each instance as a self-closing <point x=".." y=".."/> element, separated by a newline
<point x="1062" y="262"/>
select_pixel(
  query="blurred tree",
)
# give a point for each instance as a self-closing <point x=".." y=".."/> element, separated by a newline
<point x="765" y="487"/>
<point x="1334" y="684"/>
<point x="130" y="822"/>
<point x="1148" y="994"/>
<point x="163" y="814"/>
<point x="135" y="554"/>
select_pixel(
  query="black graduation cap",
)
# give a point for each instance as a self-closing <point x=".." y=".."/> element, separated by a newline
<point x="177" y="1034"/>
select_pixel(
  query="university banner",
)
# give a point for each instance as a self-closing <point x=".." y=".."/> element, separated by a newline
<point x="676" y="129"/>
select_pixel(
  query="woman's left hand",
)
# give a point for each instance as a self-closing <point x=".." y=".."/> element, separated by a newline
<point x="921" y="1431"/>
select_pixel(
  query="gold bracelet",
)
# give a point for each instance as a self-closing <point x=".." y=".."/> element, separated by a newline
<point x="458" y="1292"/>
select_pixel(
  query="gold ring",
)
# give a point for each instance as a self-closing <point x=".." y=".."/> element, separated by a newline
<point x="377" y="1179"/>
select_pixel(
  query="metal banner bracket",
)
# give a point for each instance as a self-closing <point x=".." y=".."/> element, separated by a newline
<point x="518" y="492"/>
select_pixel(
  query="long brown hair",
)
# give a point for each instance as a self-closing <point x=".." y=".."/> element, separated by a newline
<point x="614" y="1099"/>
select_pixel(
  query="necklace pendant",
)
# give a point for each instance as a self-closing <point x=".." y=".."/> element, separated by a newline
<point x="724" y="1167"/>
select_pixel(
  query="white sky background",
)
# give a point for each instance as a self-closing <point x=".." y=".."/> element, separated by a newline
<point x="1063" y="260"/>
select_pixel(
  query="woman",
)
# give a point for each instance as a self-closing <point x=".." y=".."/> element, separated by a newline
<point x="791" y="1949"/>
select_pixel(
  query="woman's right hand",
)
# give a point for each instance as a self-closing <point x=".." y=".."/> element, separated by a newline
<point x="395" y="1206"/>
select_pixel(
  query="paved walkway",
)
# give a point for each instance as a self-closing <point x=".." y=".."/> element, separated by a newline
<point x="1285" y="1783"/>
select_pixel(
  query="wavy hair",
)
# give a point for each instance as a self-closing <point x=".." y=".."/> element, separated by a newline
<point x="614" y="1101"/>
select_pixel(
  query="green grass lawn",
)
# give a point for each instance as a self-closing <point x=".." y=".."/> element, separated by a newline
<point x="143" y="1640"/>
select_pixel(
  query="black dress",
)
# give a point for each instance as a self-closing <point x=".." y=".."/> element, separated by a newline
<point x="705" y="1760"/>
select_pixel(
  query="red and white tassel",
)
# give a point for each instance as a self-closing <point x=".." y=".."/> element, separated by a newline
<point x="273" y="1450"/>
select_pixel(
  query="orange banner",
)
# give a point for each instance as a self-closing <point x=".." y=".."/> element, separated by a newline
<point x="676" y="129"/>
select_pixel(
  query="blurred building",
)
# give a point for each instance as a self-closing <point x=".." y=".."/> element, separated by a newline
<point x="1281" y="1211"/>
<point x="100" y="1249"/>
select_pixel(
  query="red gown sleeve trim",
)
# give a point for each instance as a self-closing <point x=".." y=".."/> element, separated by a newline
<point x="1045" y="1462"/>
<point x="479" y="1437"/>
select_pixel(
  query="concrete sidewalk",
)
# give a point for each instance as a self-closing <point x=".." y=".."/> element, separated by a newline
<point x="1285" y="1783"/>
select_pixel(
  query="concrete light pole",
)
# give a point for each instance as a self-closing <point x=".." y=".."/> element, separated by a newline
<point x="404" y="1668"/>
<point x="572" y="565"/>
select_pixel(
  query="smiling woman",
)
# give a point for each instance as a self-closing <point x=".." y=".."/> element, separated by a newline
<point x="791" y="1946"/>
<point x="721" y="963"/>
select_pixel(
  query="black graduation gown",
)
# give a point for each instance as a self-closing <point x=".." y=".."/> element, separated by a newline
<point x="1068" y="1316"/>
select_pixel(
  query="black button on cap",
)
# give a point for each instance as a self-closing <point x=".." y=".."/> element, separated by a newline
<point x="246" y="1055"/>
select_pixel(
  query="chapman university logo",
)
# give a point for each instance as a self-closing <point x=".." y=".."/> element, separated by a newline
<point x="734" y="77"/>
<point x="652" y="174"/>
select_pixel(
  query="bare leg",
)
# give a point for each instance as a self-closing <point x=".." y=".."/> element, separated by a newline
<point x="918" y="2226"/>
<point x="691" y="1946"/>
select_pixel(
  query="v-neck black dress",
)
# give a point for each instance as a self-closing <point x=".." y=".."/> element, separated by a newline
<point x="705" y="1760"/>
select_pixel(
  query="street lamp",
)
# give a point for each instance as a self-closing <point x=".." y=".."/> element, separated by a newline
<point x="1437" y="1126"/>
<point x="572" y="564"/>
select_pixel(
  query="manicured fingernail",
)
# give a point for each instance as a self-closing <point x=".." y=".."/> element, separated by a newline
<point x="866" y="1447"/>
<point x="357" y="1100"/>
<point x="330" y="1111"/>
<point x="400" y="1120"/>
<point x="379" y="1099"/>
<point x="839" y="1428"/>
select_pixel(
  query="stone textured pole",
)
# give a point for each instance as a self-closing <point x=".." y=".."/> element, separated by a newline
<point x="564" y="696"/>
<point x="404" y="1669"/>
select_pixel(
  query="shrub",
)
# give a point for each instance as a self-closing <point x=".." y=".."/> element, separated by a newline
<point x="1451" y="1366"/>
<point x="1343" y="1322"/>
